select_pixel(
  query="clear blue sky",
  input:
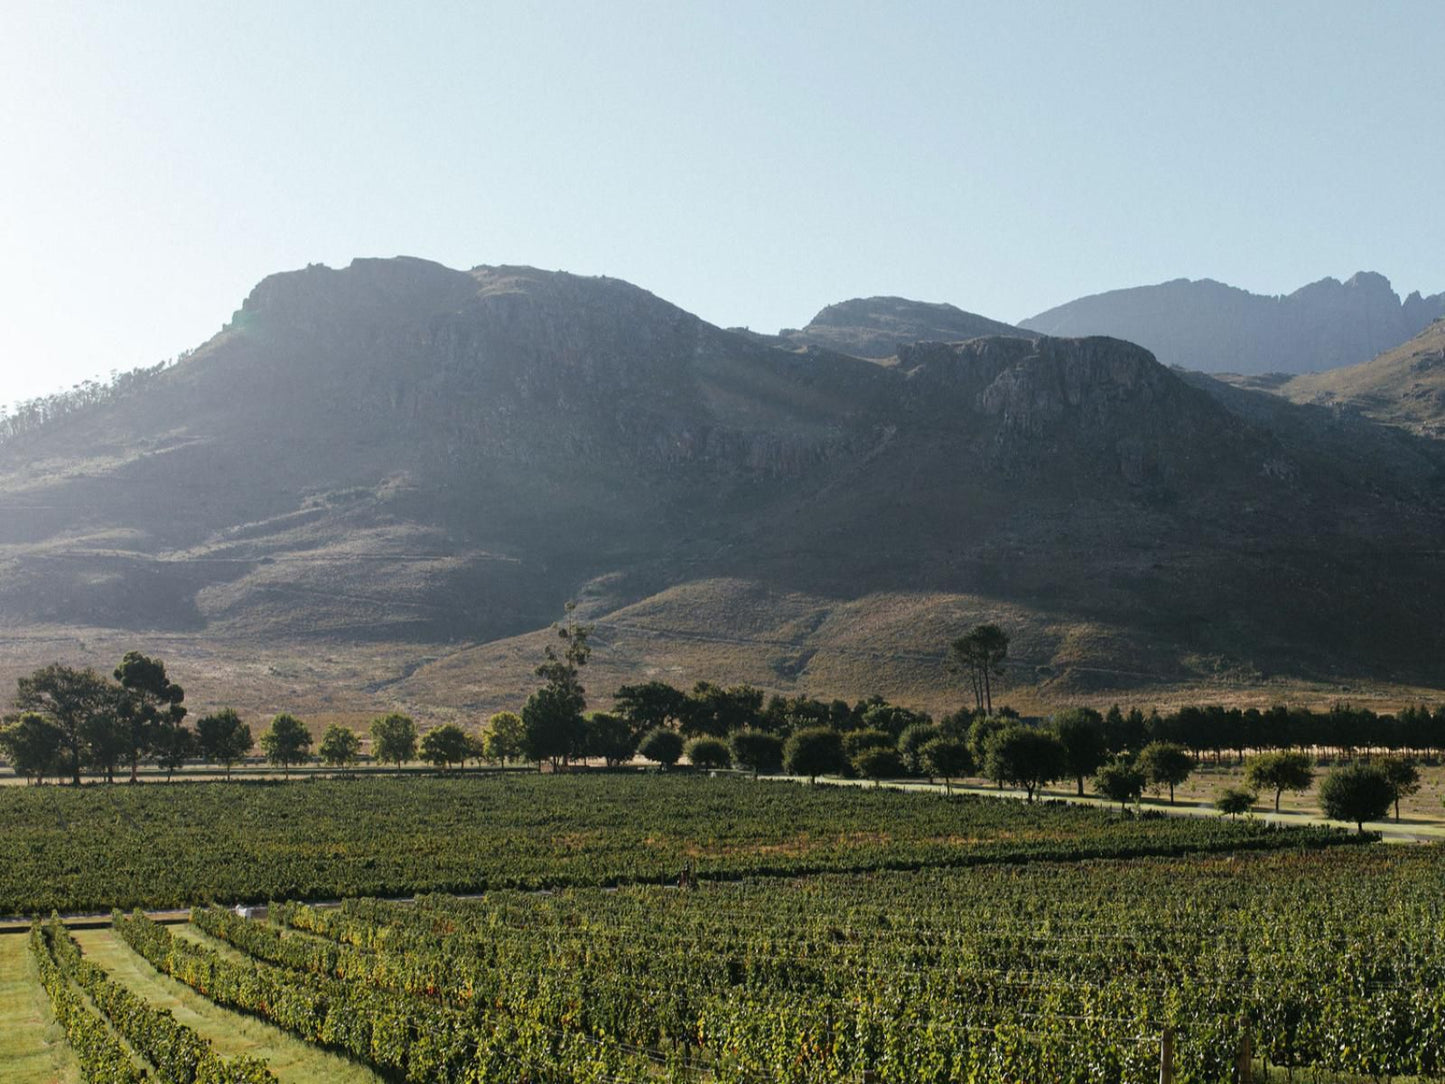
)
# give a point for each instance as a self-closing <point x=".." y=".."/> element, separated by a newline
<point x="751" y="162"/>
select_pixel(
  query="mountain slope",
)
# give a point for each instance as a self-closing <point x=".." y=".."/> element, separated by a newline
<point x="1404" y="386"/>
<point x="874" y="327"/>
<point x="387" y="478"/>
<point x="1210" y="327"/>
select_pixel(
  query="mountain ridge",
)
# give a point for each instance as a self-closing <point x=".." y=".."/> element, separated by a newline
<point x="403" y="466"/>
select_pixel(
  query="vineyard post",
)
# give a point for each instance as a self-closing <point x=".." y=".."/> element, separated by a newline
<point x="1244" y="1061"/>
<point x="1166" y="1056"/>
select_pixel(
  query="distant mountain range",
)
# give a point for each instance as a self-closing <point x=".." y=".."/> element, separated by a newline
<point x="377" y="484"/>
<point x="1214" y="328"/>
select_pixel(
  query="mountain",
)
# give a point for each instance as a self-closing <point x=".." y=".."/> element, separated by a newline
<point x="378" y="486"/>
<point x="1404" y="386"/>
<point x="874" y="327"/>
<point x="1210" y="327"/>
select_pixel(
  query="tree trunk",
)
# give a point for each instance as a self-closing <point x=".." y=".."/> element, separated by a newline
<point x="1081" y="786"/>
<point x="1171" y="793"/>
<point x="1278" y="791"/>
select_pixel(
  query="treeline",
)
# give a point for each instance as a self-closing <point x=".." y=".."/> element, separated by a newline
<point x="32" y="414"/>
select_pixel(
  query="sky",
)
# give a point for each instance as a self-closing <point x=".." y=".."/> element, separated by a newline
<point x="751" y="162"/>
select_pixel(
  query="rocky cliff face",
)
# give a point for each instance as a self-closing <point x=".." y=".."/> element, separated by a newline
<point x="1211" y="327"/>
<point x="398" y="452"/>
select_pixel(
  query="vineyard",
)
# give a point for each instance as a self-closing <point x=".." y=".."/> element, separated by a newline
<point x="94" y="848"/>
<point x="830" y="935"/>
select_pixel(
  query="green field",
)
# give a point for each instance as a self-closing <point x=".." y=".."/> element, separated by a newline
<point x="93" y="848"/>
<point x="835" y="935"/>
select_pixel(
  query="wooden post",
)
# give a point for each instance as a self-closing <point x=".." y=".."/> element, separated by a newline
<point x="1244" y="1061"/>
<point x="1166" y="1056"/>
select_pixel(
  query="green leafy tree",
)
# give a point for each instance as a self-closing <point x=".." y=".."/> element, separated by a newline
<point x="1166" y="763"/>
<point x="393" y="739"/>
<point x="1357" y="792"/>
<point x="608" y="736"/>
<point x="109" y="735"/>
<point x="445" y="745"/>
<point x="911" y="742"/>
<point x="661" y="745"/>
<point x="1235" y="800"/>
<point x="504" y="737"/>
<point x="223" y="738"/>
<point x="339" y="746"/>
<point x="649" y="706"/>
<point x="172" y="745"/>
<point x="1024" y="756"/>
<point x="814" y="752"/>
<point x="879" y="763"/>
<point x="68" y="698"/>
<point x="32" y="744"/>
<point x="893" y="719"/>
<point x="757" y="751"/>
<point x="154" y="702"/>
<point x="1119" y="781"/>
<point x="858" y="742"/>
<point x="1404" y="776"/>
<point x="980" y="730"/>
<point x="709" y="752"/>
<point x="286" y="742"/>
<point x="1081" y="731"/>
<point x="1279" y="772"/>
<point x="717" y="712"/>
<point x="947" y="758"/>
<point x="552" y="716"/>
<point x="980" y="655"/>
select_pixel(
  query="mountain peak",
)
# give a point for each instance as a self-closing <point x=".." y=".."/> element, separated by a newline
<point x="875" y="327"/>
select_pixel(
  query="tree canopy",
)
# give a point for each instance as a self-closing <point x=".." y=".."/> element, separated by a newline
<point x="1357" y="792"/>
<point x="393" y="739"/>
<point x="286" y="742"/>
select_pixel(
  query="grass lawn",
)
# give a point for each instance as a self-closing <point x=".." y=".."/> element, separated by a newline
<point x="32" y="1046"/>
<point x="229" y="1032"/>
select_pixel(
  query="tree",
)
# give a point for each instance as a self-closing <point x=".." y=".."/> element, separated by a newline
<point x="1357" y="792"/>
<point x="153" y="701"/>
<point x="504" y="736"/>
<point x="445" y="745"/>
<point x="1119" y="781"/>
<point x="661" y="745"/>
<point x="1235" y="800"/>
<point x="339" y="746"/>
<point x="223" y="738"/>
<point x="171" y="745"/>
<point x="980" y="655"/>
<point x="32" y="744"/>
<point x="108" y="733"/>
<point x="709" y="752"/>
<point x="715" y="711"/>
<point x="67" y="697"/>
<point x="946" y="757"/>
<point x="980" y="731"/>
<point x="879" y="763"/>
<point x="1165" y="763"/>
<point x="1081" y="730"/>
<point x="648" y="706"/>
<point x="858" y="742"/>
<point x="1280" y="772"/>
<point x="912" y="741"/>
<point x="757" y="751"/>
<point x="552" y="727"/>
<point x="1404" y="776"/>
<point x="608" y="736"/>
<point x="552" y="717"/>
<point x="1024" y="756"/>
<point x="286" y="742"/>
<point x="393" y="739"/>
<point x="813" y="752"/>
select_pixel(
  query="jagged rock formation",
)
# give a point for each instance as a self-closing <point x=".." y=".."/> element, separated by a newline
<point x="875" y="327"/>
<point x="401" y="456"/>
<point x="1210" y="327"/>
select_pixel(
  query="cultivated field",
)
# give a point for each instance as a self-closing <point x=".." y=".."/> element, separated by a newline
<point x="833" y="935"/>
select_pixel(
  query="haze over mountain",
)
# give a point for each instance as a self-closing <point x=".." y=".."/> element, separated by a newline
<point x="388" y="477"/>
<point x="1210" y="327"/>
